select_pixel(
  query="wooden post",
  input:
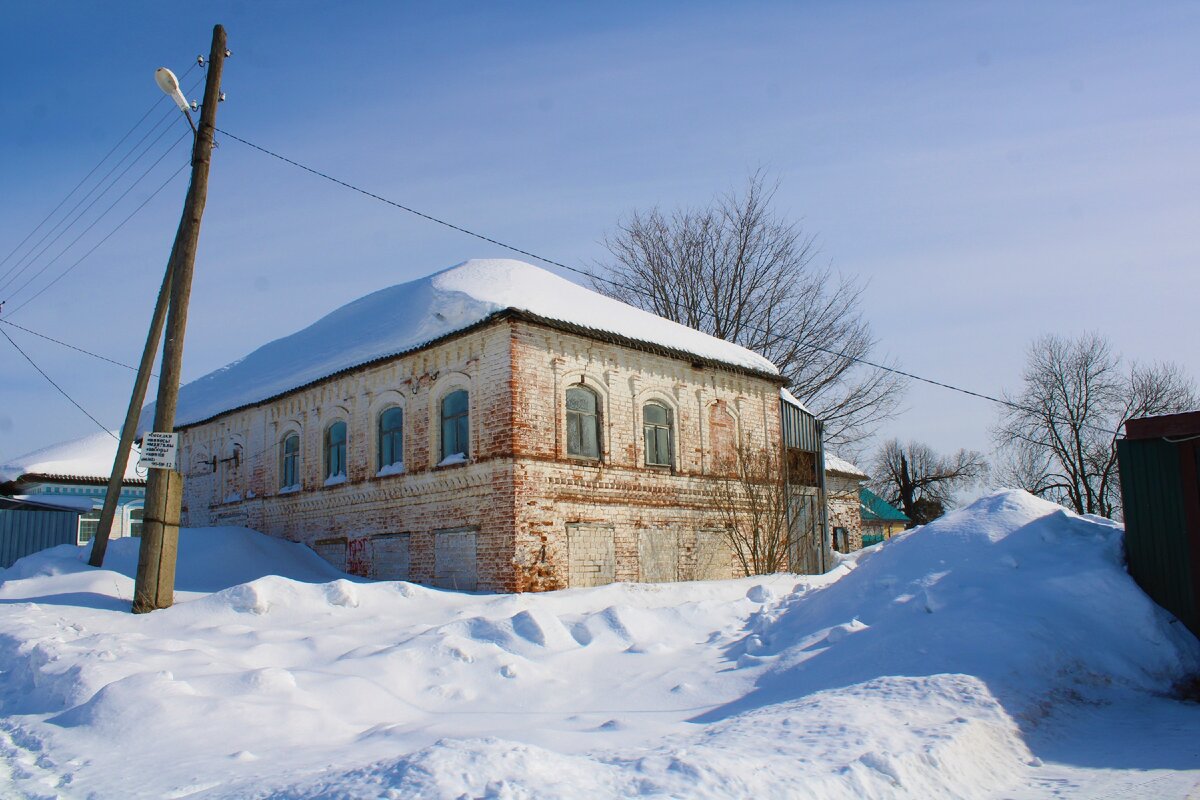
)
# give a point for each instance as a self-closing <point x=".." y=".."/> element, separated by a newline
<point x="129" y="429"/>
<point x="155" y="584"/>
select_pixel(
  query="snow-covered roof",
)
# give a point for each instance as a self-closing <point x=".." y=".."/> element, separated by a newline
<point x="68" y="502"/>
<point x="841" y="466"/>
<point x="89" y="458"/>
<point x="407" y="316"/>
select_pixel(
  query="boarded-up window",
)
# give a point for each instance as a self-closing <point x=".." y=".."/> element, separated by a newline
<point x="454" y="563"/>
<point x="805" y="554"/>
<point x="658" y="556"/>
<point x="714" y="556"/>
<point x="389" y="557"/>
<point x="332" y="550"/>
<point x="722" y="437"/>
<point x="591" y="551"/>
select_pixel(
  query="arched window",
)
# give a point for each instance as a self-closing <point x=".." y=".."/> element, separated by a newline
<point x="391" y="438"/>
<point x="335" y="450"/>
<point x="229" y="473"/>
<point x="656" y="424"/>
<point x="455" y="424"/>
<point x="289" y="468"/>
<point x="583" y="423"/>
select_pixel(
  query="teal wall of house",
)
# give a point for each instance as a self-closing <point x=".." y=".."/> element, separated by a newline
<point x="127" y="521"/>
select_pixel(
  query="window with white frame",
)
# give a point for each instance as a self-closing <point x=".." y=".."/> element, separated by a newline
<point x="583" y="422"/>
<point x="136" y="516"/>
<point x="656" y="427"/>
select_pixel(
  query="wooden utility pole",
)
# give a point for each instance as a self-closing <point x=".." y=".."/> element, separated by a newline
<point x="155" y="584"/>
<point x="129" y="429"/>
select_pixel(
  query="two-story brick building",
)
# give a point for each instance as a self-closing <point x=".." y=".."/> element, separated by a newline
<point x="491" y="427"/>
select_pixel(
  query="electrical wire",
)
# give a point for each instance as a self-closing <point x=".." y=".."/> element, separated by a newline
<point x="27" y="261"/>
<point x="616" y="284"/>
<point x="111" y="233"/>
<point x="84" y="179"/>
<point x="12" y="292"/>
<point x="61" y="390"/>
<point x="553" y="262"/>
<point x="71" y="218"/>
<point x="70" y="346"/>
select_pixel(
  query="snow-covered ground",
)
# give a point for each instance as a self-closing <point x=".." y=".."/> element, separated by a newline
<point x="999" y="652"/>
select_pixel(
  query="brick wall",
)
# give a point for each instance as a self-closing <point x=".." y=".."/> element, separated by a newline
<point x="845" y="510"/>
<point x="520" y="494"/>
<point x="663" y="521"/>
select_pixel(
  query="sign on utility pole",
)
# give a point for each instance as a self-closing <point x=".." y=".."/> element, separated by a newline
<point x="155" y="583"/>
<point x="160" y="451"/>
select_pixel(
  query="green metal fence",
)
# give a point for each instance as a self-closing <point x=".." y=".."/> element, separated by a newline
<point x="1158" y="487"/>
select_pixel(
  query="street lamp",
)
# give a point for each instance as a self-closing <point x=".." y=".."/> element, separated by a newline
<point x="167" y="81"/>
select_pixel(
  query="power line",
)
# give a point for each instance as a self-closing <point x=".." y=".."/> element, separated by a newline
<point x="84" y="179"/>
<point x="610" y="282"/>
<point x="111" y="233"/>
<point x="30" y="258"/>
<point x="97" y="220"/>
<point x="70" y="219"/>
<point x="70" y="346"/>
<point x="50" y="380"/>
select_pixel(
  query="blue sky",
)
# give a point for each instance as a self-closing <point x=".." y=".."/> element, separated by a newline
<point x="993" y="171"/>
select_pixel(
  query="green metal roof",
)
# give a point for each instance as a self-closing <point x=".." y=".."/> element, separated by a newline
<point x="876" y="509"/>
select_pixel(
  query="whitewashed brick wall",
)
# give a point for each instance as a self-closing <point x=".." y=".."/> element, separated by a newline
<point x="520" y="490"/>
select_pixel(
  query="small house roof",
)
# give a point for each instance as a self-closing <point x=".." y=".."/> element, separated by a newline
<point x="21" y="503"/>
<point x="85" y="460"/>
<point x="839" y="466"/>
<point x="876" y="509"/>
<point x="409" y="316"/>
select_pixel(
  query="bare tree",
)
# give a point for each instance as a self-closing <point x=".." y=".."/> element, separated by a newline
<point x="1058" y="435"/>
<point x="738" y="271"/>
<point x="921" y="482"/>
<point x="752" y="498"/>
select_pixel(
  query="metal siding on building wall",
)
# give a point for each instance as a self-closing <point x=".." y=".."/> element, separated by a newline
<point x="799" y="428"/>
<point x="1156" y="525"/>
<point x="23" y="533"/>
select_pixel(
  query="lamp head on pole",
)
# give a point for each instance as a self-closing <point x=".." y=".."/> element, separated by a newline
<point x="167" y="81"/>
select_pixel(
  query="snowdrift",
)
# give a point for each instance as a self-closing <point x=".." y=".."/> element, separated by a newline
<point x="935" y="665"/>
<point x="1016" y="591"/>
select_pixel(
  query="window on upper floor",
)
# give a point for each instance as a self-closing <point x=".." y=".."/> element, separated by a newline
<point x="391" y="438"/>
<point x="289" y="468"/>
<point x="656" y="426"/>
<point x="455" y="425"/>
<point x="583" y="422"/>
<point x="228" y="473"/>
<point x="335" y="451"/>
